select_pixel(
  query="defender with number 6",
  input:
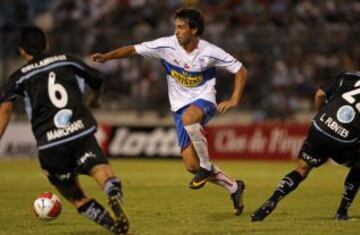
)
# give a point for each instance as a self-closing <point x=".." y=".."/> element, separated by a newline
<point x="52" y="88"/>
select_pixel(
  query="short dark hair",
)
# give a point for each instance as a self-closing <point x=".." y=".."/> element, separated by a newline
<point x="33" y="40"/>
<point x="194" y="17"/>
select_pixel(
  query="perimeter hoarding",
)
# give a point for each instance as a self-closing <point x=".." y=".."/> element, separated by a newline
<point x="135" y="141"/>
<point x="261" y="141"/>
<point x="258" y="141"/>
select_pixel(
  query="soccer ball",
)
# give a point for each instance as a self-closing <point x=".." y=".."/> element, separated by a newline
<point x="47" y="206"/>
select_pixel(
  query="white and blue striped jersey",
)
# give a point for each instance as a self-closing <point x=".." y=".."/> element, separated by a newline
<point x="52" y="88"/>
<point x="190" y="76"/>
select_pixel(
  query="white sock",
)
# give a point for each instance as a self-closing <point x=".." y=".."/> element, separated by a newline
<point x="199" y="141"/>
<point x="218" y="177"/>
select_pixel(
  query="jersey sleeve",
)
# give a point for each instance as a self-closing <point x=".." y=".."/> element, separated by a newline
<point x="92" y="77"/>
<point x="11" y="91"/>
<point x="153" y="49"/>
<point x="224" y="60"/>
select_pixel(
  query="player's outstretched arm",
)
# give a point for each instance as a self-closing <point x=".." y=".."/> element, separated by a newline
<point x="239" y="85"/>
<point x="122" y="52"/>
<point x="6" y="109"/>
<point x="319" y="99"/>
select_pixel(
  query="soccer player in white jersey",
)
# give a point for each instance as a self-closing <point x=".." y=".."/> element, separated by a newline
<point x="190" y="64"/>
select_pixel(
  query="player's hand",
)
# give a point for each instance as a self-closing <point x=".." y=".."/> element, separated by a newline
<point x="98" y="57"/>
<point x="226" y="105"/>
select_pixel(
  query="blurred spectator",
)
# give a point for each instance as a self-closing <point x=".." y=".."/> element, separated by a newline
<point x="289" y="47"/>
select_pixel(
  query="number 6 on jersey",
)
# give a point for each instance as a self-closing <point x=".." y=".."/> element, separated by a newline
<point x="60" y="98"/>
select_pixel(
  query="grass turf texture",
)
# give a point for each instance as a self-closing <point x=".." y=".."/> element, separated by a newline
<point x="159" y="202"/>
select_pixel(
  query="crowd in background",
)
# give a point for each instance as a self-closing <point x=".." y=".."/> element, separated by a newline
<point x="289" y="47"/>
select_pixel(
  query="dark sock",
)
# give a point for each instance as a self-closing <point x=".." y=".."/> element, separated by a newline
<point x="286" y="185"/>
<point x="351" y="187"/>
<point x="112" y="187"/>
<point x="97" y="213"/>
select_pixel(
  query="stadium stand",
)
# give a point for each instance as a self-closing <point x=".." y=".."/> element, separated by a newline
<point x="289" y="47"/>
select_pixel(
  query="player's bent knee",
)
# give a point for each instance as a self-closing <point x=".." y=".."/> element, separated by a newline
<point x="303" y="168"/>
<point x="191" y="118"/>
<point x="188" y="120"/>
<point x="303" y="171"/>
<point x="72" y="193"/>
<point x="103" y="169"/>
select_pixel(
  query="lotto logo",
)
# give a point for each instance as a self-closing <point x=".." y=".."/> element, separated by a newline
<point x="144" y="142"/>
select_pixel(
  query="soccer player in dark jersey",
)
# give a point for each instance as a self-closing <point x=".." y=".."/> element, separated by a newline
<point x="335" y="134"/>
<point x="52" y="88"/>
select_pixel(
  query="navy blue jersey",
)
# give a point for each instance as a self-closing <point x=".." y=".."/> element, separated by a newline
<point x="339" y="117"/>
<point x="52" y="88"/>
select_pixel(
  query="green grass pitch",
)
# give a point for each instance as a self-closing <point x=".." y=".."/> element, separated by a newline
<point x="159" y="202"/>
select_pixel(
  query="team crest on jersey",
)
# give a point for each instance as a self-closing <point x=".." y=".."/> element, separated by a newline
<point x="187" y="79"/>
<point x="62" y="118"/>
<point x="345" y="114"/>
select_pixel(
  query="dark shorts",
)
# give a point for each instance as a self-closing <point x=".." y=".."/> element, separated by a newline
<point x="318" y="148"/>
<point x="62" y="163"/>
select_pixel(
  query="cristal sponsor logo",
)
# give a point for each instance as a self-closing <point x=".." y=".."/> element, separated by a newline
<point x="70" y="129"/>
<point x="85" y="157"/>
<point x="186" y="79"/>
<point x="148" y="142"/>
<point x="43" y="63"/>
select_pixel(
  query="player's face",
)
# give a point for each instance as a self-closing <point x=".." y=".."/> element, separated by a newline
<point x="183" y="32"/>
